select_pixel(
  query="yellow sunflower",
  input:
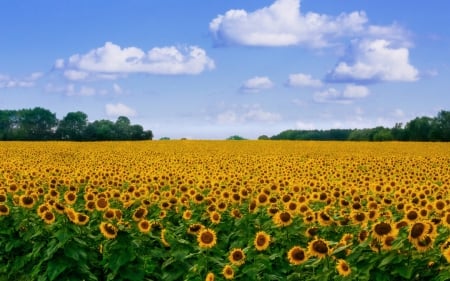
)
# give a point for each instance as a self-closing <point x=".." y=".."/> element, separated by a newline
<point x="210" y="277"/>
<point x="343" y="268"/>
<point x="228" y="272"/>
<point x="318" y="248"/>
<point x="206" y="238"/>
<point x="262" y="241"/>
<point x="237" y="257"/>
<point x="108" y="230"/>
<point x="296" y="255"/>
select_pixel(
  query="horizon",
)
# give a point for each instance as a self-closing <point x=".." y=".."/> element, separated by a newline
<point x="208" y="71"/>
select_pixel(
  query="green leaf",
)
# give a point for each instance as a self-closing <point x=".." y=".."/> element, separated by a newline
<point x="404" y="271"/>
<point x="57" y="266"/>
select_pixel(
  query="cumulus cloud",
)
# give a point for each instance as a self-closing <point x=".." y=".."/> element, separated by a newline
<point x="242" y="114"/>
<point x="7" y="81"/>
<point x="374" y="61"/>
<point x="257" y="84"/>
<point x="347" y="96"/>
<point x="283" y="24"/>
<point x="111" y="60"/>
<point x="119" y="109"/>
<point x="302" y="80"/>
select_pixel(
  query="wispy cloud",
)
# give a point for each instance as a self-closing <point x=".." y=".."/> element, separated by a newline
<point x="119" y="109"/>
<point x="110" y="61"/>
<point x="7" y="81"/>
<point x="247" y="113"/>
<point x="347" y="96"/>
<point x="256" y="84"/>
<point x="302" y="80"/>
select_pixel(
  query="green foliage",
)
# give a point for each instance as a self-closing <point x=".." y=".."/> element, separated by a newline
<point x="40" y="124"/>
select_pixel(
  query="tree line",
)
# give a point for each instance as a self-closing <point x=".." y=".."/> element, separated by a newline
<point x="41" y="124"/>
<point x="419" y="129"/>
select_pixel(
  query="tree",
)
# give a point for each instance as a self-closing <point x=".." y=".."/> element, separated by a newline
<point x="101" y="130"/>
<point x="419" y="129"/>
<point x="441" y="126"/>
<point x="73" y="126"/>
<point x="235" y="137"/>
<point x="37" y="123"/>
<point x="123" y="128"/>
<point x="263" y="137"/>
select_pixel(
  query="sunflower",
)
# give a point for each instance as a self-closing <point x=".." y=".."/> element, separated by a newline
<point x="318" y="248"/>
<point x="446" y="219"/>
<point x="343" y="268"/>
<point x="71" y="214"/>
<point x="82" y="219"/>
<point x="262" y="241"/>
<point x="324" y="218"/>
<point x="210" y="277"/>
<point x="382" y="229"/>
<point x="296" y="255"/>
<point x="228" y="272"/>
<point x="236" y="213"/>
<point x="215" y="217"/>
<point x="43" y="208"/>
<point x="3" y="198"/>
<point x="108" y="230"/>
<point x="424" y="244"/>
<point x="195" y="228"/>
<point x="346" y="239"/>
<point x="311" y="232"/>
<point x="359" y="217"/>
<point x="418" y="231"/>
<point x="237" y="257"/>
<point x="89" y="206"/>
<point x="387" y="242"/>
<point x="446" y="254"/>
<point x="282" y="218"/>
<point x="101" y="204"/>
<point x="48" y="217"/>
<point x="411" y="216"/>
<point x="70" y="197"/>
<point x="109" y="214"/>
<point x="144" y="226"/>
<point x="206" y="238"/>
<point x="187" y="214"/>
<point x="140" y="213"/>
<point x="26" y="201"/>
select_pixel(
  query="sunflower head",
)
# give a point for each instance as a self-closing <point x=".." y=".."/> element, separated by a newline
<point x="206" y="238"/>
<point x="262" y="241"/>
<point x="343" y="268"/>
<point x="108" y="230"/>
<point x="228" y="272"/>
<point x="318" y="248"/>
<point x="296" y="255"/>
<point x="237" y="257"/>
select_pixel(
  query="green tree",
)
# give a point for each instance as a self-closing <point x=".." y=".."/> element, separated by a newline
<point x="37" y="124"/>
<point x="419" y="129"/>
<point x="73" y="126"/>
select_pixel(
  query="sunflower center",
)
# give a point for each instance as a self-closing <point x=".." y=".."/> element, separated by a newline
<point x="417" y="230"/>
<point x="207" y="238"/>
<point x="382" y="228"/>
<point x="261" y="240"/>
<point x="285" y="217"/>
<point x="320" y="247"/>
<point x="298" y="254"/>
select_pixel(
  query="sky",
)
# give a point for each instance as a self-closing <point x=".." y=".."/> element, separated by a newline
<point x="212" y="69"/>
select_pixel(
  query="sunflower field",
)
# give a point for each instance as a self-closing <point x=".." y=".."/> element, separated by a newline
<point x="223" y="210"/>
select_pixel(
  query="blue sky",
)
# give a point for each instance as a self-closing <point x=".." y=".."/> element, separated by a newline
<point x="211" y="69"/>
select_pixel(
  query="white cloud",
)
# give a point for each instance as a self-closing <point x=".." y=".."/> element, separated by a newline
<point x="73" y="90"/>
<point x="112" y="60"/>
<point x="374" y="61"/>
<point x="119" y="109"/>
<point x="247" y="113"/>
<point x="354" y="91"/>
<point x="283" y="24"/>
<point x="117" y="89"/>
<point x="304" y="125"/>
<point x="257" y="84"/>
<point x="12" y="82"/>
<point x="302" y="80"/>
<point x="347" y="96"/>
